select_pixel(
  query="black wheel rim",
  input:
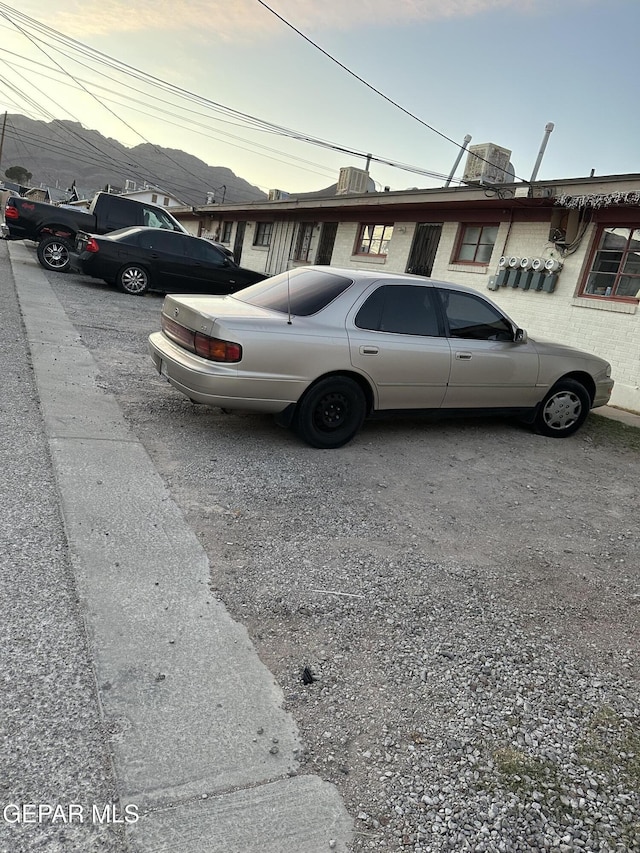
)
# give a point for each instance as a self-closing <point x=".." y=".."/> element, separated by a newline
<point x="331" y="412"/>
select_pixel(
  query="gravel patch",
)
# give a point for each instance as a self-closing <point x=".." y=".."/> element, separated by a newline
<point x="451" y="609"/>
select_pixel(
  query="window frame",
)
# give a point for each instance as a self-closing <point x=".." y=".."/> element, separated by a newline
<point x="357" y="249"/>
<point x="500" y="328"/>
<point x="589" y="266"/>
<point x="460" y="242"/>
<point x="381" y="298"/>
<point x="303" y="241"/>
<point x="226" y="231"/>
<point x="263" y="234"/>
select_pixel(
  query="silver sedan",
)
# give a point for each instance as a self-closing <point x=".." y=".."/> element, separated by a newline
<point x="324" y="348"/>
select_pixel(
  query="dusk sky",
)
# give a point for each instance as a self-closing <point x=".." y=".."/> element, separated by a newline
<point x="499" y="70"/>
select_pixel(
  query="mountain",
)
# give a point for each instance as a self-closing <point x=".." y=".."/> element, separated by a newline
<point x="58" y="153"/>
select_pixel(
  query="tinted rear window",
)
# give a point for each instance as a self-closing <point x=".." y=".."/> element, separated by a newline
<point x="125" y="235"/>
<point x="301" y="292"/>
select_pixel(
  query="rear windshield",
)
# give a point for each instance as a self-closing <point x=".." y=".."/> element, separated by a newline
<point x="124" y="233"/>
<point x="301" y="292"/>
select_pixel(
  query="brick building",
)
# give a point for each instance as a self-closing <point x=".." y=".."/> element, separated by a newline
<point x="561" y="257"/>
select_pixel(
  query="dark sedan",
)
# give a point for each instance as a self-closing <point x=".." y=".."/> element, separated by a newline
<point x="142" y="259"/>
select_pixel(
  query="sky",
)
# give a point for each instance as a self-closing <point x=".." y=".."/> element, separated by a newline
<point x="402" y="80"/>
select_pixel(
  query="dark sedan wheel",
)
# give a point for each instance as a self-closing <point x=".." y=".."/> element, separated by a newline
<point x="331" y="412"/>
<point x="133" y="279"/>
<point x="563" y="410"/>
<point x="53" y="254"/>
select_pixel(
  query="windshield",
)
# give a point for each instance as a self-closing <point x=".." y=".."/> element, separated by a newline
<point x="301" y="292"/>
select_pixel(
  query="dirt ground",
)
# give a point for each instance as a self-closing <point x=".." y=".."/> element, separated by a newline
<point x="420" y="554"/>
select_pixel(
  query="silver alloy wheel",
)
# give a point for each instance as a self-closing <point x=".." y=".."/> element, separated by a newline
<point x="562" y="410"/>
<point x="53" y="254"/>
<point x="134" y="280"/>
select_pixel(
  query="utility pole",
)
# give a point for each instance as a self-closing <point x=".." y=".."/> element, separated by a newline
<point x="4" y="124"/>
<point x="463" y="148"/>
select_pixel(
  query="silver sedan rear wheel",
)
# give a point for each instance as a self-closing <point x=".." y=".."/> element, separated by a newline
<point x="331" y="412"/>
<point x="133" y="279"/>
<point x="563" y="410"/>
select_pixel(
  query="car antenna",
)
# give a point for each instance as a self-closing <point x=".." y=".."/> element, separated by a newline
<point x="288" y="299"/>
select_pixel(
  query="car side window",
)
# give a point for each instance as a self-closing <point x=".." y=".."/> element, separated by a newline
<point x="401" y="309"/>
<point x="200" y="250"/>
<point x="163" y="241"/>
<point x="471" y="317"/>
<point x="120" y="213"/>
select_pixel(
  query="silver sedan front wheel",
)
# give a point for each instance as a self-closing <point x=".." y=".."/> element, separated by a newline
<point x="563" y="410"/>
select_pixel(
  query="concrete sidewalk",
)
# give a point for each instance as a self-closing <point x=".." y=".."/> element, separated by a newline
<point x="621" y="415"/>
<point x="199" y="741"/>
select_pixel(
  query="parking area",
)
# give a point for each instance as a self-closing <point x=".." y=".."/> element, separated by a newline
<point x="462" y="596"/>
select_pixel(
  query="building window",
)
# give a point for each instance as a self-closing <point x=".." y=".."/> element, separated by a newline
<point x="226" y="232"/>
<point x="303" y="241"/>
<point x="166" y="201"/>
<point x="154" y="198"/>
<point x="475" y="244"/>
<point x="615" y="269"/>
<point x="373" y="240"/>
<point x="263" y="234"/>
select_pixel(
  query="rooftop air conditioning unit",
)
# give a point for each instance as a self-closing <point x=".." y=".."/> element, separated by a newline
<point x="352" y="180"/>
<point x="488" y="164"/>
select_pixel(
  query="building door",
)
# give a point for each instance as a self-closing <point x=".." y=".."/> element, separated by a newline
<point x="325" y="244"/>
<point x="424" y="248"/>
<point x="239" y="240"/>
<point x="280" y="248"/>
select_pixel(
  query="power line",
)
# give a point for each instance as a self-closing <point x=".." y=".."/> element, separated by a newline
<point x="252" y="121"/>
<point x="367" y="84"/>
<point x="89" y="157"/>
<point x="64" y="71"/>
<point x="204" y="127"/>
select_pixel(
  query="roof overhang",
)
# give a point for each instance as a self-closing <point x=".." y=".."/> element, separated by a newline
<point x="443" y="202"/>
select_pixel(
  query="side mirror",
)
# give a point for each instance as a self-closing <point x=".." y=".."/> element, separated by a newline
<point x="521" y="336"/>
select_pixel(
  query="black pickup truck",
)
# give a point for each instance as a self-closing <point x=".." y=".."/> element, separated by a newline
<point x="55" y="228"/>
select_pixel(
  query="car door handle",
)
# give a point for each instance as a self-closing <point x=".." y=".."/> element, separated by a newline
<point x="464" y="356"/>
<point x="369" y="350"/>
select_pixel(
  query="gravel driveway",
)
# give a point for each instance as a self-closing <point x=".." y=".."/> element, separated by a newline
<point x="464" y="596"/>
